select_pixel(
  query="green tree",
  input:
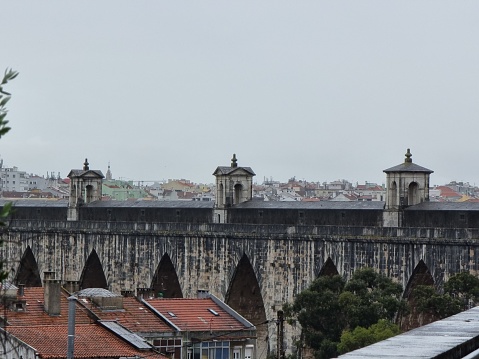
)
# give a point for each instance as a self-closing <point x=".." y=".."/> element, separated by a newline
<point x="318" y="311"/>
<point x="361" y="337"/>
<point x="370" y="296"/>
<point x="4" y="98"/>
<point x="461" y="292"/>
<point x="465" y="287"/>
<point x="330" y="306"/>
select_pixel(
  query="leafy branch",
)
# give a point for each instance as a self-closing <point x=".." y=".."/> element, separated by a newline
<point x="4" y="98"/>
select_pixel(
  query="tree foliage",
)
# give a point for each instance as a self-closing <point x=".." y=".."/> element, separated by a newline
<point x="330" y="306"/>
<point x="318" y="311"/>
<point x="461" y="292"/>
<point x="370" y="296"/>
<point x="361" y="337"/>
<point x="4" y="98"/>
<point x="465" y="287"/>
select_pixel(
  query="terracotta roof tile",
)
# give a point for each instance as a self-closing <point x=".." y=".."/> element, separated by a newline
<point x="194" y="314"/>
<point x="35" y="314"/>
<point x="447" y="192"/>
<point x="134" y="316"/>
<point x="91" y="341"/>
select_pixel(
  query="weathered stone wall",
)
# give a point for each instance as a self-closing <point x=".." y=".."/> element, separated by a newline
<point x="285" y="259"/>
<point x="304" y="216"/>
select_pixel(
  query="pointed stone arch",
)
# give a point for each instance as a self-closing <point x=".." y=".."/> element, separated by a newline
<point x="420" y="276"/>
<point x="93" y="275"/>
<point x="244" y="296"/>
<point x="28" y="272"/>
<point x="165" y="282"/>
<point x="328" y="268"/>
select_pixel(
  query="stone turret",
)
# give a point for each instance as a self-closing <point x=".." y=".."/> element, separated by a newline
<point x="85" y="187"/>
<point x="234" y="185"/>
<point x="407" y="185"/>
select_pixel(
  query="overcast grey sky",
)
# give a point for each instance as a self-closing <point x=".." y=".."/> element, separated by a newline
<point x="313" y="89"/>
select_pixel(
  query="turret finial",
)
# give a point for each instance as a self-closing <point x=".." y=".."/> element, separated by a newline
<point x="408" y="156"/>
<point x="85" y="165"/>
<point x="234" y="161"/>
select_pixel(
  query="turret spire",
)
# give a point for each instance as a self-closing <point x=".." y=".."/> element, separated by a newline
<point x="408" y="156"/>
<point x="234" y="161"/>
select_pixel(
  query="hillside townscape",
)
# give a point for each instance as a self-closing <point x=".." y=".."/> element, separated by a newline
<point x="16" y="183"/>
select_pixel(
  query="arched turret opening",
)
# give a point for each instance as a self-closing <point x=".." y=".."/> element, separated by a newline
<point x="89" y="191"/>
<point x="165" y="283"/>
<point x="221" y="195"/>
<point x="413" y="197"/>
<point x="393" y="195"/>
<point x="244" y="296"/>
<point x="93" y="275"/>
<point x="238" y="189"/>
<point x="28" y="273"/>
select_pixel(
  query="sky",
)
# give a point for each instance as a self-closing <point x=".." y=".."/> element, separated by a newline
<point x="318" y="90"/>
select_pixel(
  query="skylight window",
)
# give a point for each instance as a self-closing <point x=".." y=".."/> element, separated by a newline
<point x="172" y="314"/>
<point x="214" y="312"/>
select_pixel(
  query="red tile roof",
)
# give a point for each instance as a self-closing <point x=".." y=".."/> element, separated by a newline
<point x="447" y="192"/>
<point x="91" y="341"/>
<point x="35" y="314"/>
<point x="314" y="199"/>
<point x="134" y="316"/>
<point x="194" y="314"/>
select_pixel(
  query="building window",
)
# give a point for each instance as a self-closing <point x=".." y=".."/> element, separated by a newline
<point x="248" y="352"/>
<point x="169" y="347"/>
<point x="212" y="350"/>
<point x="237" y="353"/>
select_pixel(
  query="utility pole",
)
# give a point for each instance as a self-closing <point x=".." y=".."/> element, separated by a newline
<point x="71" y="326"/>
<point x="280" y="335"/>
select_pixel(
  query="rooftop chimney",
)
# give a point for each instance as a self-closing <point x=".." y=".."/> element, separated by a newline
<point x="51" y="294"/>
<point x="21" y="290"/>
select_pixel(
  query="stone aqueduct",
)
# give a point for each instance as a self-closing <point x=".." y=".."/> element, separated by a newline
<point x="256" y="256"/>
<point x="255" y="269"/>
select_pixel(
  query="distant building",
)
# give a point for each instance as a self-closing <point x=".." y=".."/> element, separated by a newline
<point x="11" y="179"/>
<point x="122" y="190"/>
